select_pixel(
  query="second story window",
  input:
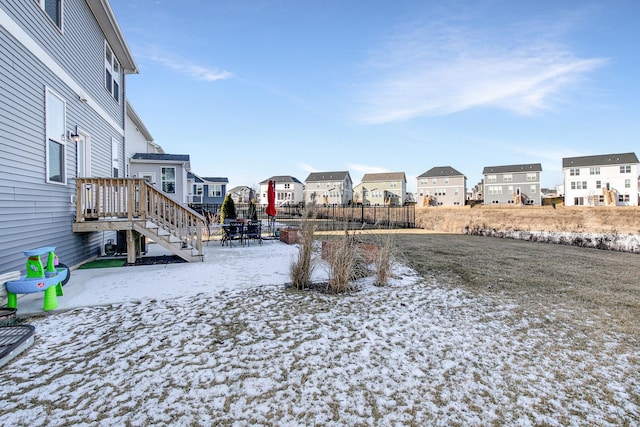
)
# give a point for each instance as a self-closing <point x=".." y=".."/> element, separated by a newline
<point x="532" y="176"/>
<point x="574" y="172"/>
<point x="169" y="180"/>
<point x="491" y="178"/>
<point x="507" y="178"/>
<point x="215" y="190"/>
<point x="594" y="171"/>
<point x="53" y="8"/>
<point x="111" y="73"/>
<point x="625" y="169"/>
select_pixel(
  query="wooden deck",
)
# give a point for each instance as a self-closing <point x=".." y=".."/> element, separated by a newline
<point x="131" y="204"/>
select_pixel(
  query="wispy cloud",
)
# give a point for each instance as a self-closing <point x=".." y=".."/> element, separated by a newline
<point x="307" y="168"/>
<point x="438" y="68"/>
<point x="181" y="65"/>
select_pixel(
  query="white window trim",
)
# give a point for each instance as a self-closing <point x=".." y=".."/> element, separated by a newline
<point x="113" y="80"/>
<point x="62" y="138"/>
<point x="42" y="7"/>
<point x="115" y="157"/>
<point x="175" y="180"/>
<point x="87" y="154"/>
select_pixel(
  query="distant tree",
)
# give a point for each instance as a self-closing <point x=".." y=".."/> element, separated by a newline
<point x="228" y="209"/>
<point x="253" y="212"/>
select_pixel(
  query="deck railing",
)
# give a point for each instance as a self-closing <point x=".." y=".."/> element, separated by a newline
<point x="134" y="199"/>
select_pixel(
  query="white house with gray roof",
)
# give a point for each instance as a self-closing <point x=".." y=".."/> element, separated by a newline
<point x="512" y="184"/>
<point x="442" y="186"/>
<point x="601" y="180"/>
<point x="329" y="188"/>
<point x="289" y="190"/>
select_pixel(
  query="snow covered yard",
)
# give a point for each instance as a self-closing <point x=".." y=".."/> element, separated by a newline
<point x="418" y="352"/>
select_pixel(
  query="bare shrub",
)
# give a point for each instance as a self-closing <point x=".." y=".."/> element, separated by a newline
<point x="346" y="264"/>
<point x="386" y="255"/>
<point x="301" y="268"/>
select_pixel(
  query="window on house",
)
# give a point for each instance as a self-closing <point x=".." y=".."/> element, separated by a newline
<point x="169" y="180"/>
<point x="53" y="8"/>
<point x="573" y="185"/>
<point x="287" y="186"/>
<point x="627" y="183"/>
<point x="507" y="178"/>
<point x="115" y="150"/>
<point x="492" y="178"/>
<point x="594" y="171"/>
<point x="625" y="169"/>
<point x="434" y="181"/>
<point x="446" y="180"/>
<point x="623" y="197"/>
<point x="215" y="190"/>
<point x="199" y="190"/>
<point x="574" y="172"/>
<point x="578" y="201"/>
<point x="533" y="189"/>
<point x="111" y="73"/>
<point x="56" y="149"/>
<point x="598" y="184"/>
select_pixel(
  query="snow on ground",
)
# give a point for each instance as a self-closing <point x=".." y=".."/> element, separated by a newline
<point x="224" y="343"/>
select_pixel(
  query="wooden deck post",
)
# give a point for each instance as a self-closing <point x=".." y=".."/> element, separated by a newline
<point x="131" y="247"/>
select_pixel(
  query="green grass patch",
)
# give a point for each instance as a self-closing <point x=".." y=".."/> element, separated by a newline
<point x="104" y="263"/>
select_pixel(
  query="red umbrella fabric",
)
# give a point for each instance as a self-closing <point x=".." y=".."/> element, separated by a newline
<point x="271" y="199"/>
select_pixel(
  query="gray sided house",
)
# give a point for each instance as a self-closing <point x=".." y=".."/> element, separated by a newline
<point x="442" y="186"/>
<point x="165" y="172"/>
<point x="329" y="188"/>
<point x="62" y="116"/>
<point x="206" y="190"/>
<point x="514" y="184"/>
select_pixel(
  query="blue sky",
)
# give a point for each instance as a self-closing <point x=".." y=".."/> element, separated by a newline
<point x="252" y="89"/>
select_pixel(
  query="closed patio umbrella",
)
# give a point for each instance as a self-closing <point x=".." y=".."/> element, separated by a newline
<point x="271" y="203"/>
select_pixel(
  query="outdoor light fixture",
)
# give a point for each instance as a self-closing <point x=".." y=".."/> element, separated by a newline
<point x="73" y="136"/>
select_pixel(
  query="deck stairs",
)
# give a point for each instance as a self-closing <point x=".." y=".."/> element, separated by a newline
<point x="132" y="204"/>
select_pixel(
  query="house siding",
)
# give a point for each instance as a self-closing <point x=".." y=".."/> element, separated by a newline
<point x="506" y="196"/>
<point x="35" y="213"/>
<point x="609" y="176"/>
<point x="426" y="187"/>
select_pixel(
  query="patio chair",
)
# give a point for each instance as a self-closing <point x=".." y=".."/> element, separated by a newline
<point x="233" y="231"/>
<point x="253" y="231"/>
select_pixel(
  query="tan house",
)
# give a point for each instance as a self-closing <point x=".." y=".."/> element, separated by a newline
<point x="379" y="189"/>
<point x="329" y="188"/>
<point x="442" y="186"/>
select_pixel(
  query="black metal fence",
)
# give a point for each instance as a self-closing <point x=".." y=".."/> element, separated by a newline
<point x="327" y="217"/>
